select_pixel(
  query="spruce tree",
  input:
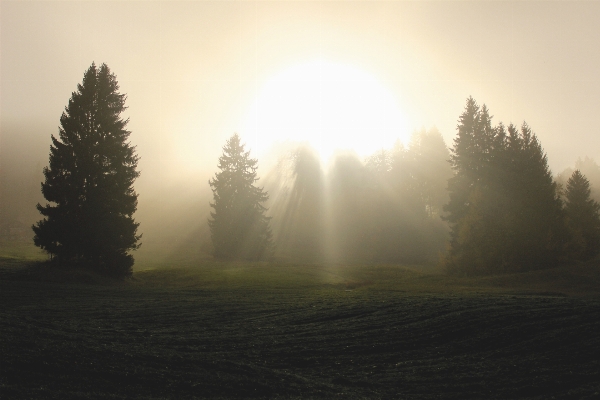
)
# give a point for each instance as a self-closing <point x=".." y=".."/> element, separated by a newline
<point x="534" y="207"/>
<point x="583" y="218"/>
<point x="469" y="192"/>
<point x="239" y="227"/>
<point x="470" y="158"/>
<point x="504" y="210"/>
<point x="89" y="181"/>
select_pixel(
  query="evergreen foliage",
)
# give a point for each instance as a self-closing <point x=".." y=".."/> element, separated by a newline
<point x="589" y="168"/>
<point x="504" y="210"/>
<point x="239" y="227"/>
<point x="90" y="179"/>
<point x="583" y="218"/>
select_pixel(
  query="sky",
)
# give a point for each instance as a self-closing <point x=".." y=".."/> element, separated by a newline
<point x="359" y="74"/>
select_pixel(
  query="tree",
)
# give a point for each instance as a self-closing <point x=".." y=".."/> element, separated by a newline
<point x="470" y="159"/>
<point x="346" y="208"/>
<point x="504" y="211"/>
<point x="429" y="158"/>
<point x="468" y="191"/>
<point x="90" y="179"/>
<point x="590" y="169"/>
<point x="583" y="218"/>
<point x="239" y="227"/>
<point x="377" y="211"/>
<point x="298" y="190"/>
<point x="533" y="204"/>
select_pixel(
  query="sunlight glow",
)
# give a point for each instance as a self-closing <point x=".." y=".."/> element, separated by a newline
<point x="330" y="105"/>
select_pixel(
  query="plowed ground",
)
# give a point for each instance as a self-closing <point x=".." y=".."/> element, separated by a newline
<point x="177" y="335"/>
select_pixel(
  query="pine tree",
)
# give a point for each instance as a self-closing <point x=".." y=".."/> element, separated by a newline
<point x="89" y="179"/>
<point x="583" y="218"/>
<point x="504" y="211"/>
<point x="537" y="226"/>
<point x="239" y="227"/>
<point x="469" y="192"/>
<point x="589" y="168"/>
<point x="470" y="158"/>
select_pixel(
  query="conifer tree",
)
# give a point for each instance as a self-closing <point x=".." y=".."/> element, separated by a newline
<point x="537" y="226"/>
<point x="90" y="179"/>
<point x="239" y="227"/>
<point x="468" y="192"/>
<point x="583" y="218"/>
<point x="504" y="210"/>
<point x="470" y="158"/>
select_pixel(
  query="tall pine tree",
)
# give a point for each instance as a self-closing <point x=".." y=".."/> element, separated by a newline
<point x="538" y="235"/>
<point x="470" y="158"/>
<point x="89" y="181"/>
<point x="239" y="227"/>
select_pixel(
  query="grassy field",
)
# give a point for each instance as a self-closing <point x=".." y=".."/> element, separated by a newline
<point x="217" y="330"/>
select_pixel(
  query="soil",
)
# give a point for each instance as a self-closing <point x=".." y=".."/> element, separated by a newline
<point x="143" y="340"/>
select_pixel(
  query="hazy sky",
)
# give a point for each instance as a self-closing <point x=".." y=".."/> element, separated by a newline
<point x="193" y="71"/>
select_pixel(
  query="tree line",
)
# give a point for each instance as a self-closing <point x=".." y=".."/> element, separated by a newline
<point x="506" y="213"/>
<point x="487" y="205"/>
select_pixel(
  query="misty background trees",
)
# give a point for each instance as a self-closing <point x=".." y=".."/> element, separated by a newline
<point x="238" y="225"/>
<point x="297" y="204"/>
<point x="384" y="209"/>
<point x="589" y="168"/>
<point x="89" y="181"/>
<point x="488" y="205"/>
<point x="583" y="218"/>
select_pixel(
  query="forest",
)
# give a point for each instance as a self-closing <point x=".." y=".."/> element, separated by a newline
<point x="487" y="205"/>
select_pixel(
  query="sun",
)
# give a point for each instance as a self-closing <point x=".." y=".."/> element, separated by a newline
<point x="331" y="106"/>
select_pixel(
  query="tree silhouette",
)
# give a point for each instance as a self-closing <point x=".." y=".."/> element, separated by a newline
<point x="90" y="179"/>
<point x="470" y="159"/>
<point x="239" y="227"/>
<point x="583" y="218"/>
<point x="504" y="211"/>
<point x="590" y="169"/>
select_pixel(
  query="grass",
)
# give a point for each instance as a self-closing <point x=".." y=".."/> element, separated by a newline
<point x="575" y="280"/>
<point x="240" y="330"/>
<point x="19" y="251"/>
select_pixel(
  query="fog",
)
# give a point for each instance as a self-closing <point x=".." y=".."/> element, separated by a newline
<point x="193" y="71"/>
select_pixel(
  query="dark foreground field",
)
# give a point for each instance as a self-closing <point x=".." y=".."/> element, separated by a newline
<point x="242" y="331"/>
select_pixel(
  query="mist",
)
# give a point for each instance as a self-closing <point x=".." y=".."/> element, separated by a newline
<point x="198" y="69"/>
